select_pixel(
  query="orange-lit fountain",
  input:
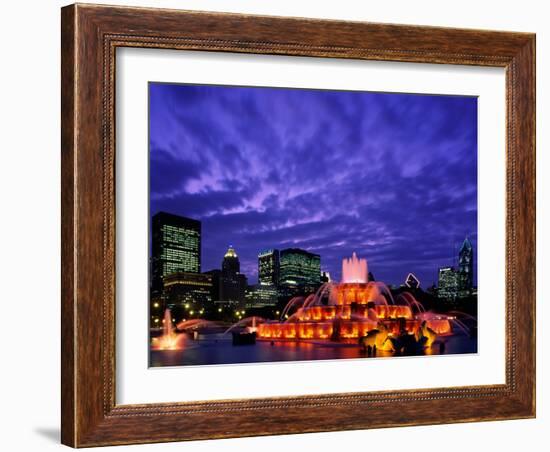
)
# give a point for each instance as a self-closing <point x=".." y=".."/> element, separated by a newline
<point x="169" y="340"/>
<point x="357" y="308"/>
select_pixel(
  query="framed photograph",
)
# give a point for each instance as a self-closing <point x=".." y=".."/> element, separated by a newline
<point x="281" y="225"/>
<point x="283" y="186"/>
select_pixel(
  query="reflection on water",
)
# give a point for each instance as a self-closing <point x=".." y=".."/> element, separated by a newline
<point x="224" y="352"/>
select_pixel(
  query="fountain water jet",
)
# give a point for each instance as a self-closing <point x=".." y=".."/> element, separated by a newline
<point x="293" y="302"/>
<point x="408" y="298"/>
<point x="169" y="340"/>
<point x="354" y="270"/>
<point x="194" y="324"/>
<point x="253" y="320"/>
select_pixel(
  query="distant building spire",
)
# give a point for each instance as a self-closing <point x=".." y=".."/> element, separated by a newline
<point x="231" y="252"/>
<point x="233" y="282"/>
<point x="466" y="267"/>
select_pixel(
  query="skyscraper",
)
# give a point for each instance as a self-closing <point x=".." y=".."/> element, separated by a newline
<point x="447" y="286"/>
<point x="231" y="264"/>
<point x="268" y="267"/>
<point x="233" y="282"/>
<point x="465" y="268"/>
<point x="175" y="247"/>
<point x="300" y="270"/>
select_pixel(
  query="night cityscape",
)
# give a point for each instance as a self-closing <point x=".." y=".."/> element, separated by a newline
<point x="270" y="244"/>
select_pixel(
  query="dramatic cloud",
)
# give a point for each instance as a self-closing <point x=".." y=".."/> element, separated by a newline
<point x="390" y="176"/>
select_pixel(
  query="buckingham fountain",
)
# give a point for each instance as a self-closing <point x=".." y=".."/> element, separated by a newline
<point x="354" y="312"/>
<point x="358" y="310"/>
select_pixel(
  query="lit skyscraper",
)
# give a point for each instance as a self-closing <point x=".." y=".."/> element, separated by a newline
<point x="231" y="264"/>
<point x="175" y="247"/>
<point x="465" y="267"/>
<point x="458" y="283"/>
<point x="233" y="282"/>
<point x="268" y="267"/>
<point x="299" y="269"/>
<point x="447" y="283"/>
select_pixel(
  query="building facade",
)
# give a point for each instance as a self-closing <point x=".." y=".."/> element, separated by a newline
<point x="447" y="287"/>
<point x="233" y="282"/>
<point x="261" y="295"/>
<point x="175" y="247"/>
<point x="216" y="276"/>
<point x="190" y="290"/>
<point x="300" y="270"/>
<point x="268" y="267"/>
<point x="458" y="283"/>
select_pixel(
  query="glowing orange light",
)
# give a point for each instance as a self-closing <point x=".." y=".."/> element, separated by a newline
<point x="169" y="340"/>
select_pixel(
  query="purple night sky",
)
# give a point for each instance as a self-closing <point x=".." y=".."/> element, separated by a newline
<point x="390" y="176"/>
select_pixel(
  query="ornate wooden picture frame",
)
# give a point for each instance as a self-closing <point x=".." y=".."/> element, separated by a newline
<point x="90" y="37"/>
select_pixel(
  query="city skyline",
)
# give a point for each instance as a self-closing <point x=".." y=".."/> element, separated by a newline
<point x="264" y="168"/>
<point x="271" y="260"/>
